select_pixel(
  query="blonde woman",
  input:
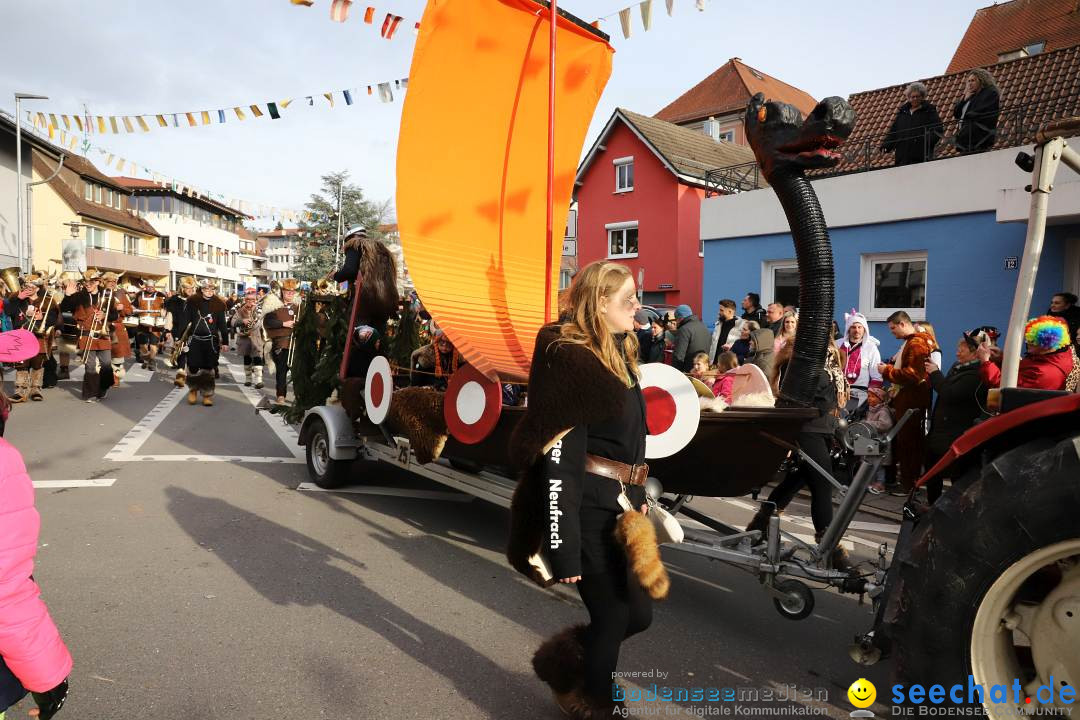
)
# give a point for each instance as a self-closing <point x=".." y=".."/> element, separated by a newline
<point x="583" y="439"/>
<point x="789" y="323"/>
<point x="977" y="113"/>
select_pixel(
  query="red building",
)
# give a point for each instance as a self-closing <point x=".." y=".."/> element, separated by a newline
<point x="639" y="193"/>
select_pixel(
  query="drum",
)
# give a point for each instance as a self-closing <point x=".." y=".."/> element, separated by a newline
<point x="131" y="321"/>
<point x="159" y="322"/>
<point x="147" y="320"/>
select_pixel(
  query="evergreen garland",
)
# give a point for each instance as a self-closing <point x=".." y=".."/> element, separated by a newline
<point x="317" y="360"/>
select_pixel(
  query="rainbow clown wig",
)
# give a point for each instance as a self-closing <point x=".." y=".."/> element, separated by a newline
<point x="1046" y="334"/>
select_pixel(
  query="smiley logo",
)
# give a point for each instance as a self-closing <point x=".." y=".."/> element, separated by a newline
<point x="862" y="693"/>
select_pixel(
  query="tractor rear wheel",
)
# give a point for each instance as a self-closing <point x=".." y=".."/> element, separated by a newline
<point x="990" y="582"/>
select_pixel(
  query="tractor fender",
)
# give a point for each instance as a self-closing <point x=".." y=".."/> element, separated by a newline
<point x="1027" y="416"/>
<point x="343" y="440"/>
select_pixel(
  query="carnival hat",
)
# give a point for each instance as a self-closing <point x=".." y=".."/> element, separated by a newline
<point x="355" y="231"/>
<point x="209" y="284"/>
<point x="32" y="280"/>
<point x="92" y="275"/>
<point x="251" y="289"/>
<point x="289" y="284"/>
<point x="188" y="281"/>
<point x="111" y="276"/>
<point x="148" y="281"/>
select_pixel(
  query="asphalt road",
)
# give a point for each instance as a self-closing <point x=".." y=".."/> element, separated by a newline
<point x="200" y="583"/>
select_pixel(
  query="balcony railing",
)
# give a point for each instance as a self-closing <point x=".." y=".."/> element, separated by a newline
<point x="1016" y="126"/>
<point x="733" y="179"/>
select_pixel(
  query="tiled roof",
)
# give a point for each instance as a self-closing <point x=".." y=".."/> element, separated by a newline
<point x="690" y="152"/>
<point x="284" y="232"/>
<point x="130" y="183"/>
<point x="86" y="208"/>
<point x="1033" y="90"/>
<point x="1009" y="26"/>
<point x="728" y="90"/>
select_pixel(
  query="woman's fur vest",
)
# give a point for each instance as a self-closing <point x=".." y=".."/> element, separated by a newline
<point x="568" y="386"/>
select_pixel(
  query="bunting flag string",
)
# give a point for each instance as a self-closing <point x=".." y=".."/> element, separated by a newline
<point x="126" y="124"/>
<point x="339" y="12"/>
<point x="123" y="166"/>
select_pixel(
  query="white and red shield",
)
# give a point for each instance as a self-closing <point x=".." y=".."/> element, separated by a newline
<point x="378" y="389"/>
<point x="672" y="411"/>
<point x="472" y="406"/>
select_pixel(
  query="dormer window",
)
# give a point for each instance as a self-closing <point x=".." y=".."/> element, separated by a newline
<point x="624" y="174"/>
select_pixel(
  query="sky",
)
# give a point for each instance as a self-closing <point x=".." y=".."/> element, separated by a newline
<point x="128" y="57"/>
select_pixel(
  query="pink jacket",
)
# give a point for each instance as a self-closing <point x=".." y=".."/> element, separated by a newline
<point x="29" y="641"/>
<point x="723" y="386"/>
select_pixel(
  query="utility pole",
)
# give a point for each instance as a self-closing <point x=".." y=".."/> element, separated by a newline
<point x="337" y="245"/>
<point x="24" y="262"/>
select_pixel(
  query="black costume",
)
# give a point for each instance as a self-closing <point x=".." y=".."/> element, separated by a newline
<point x="961" y="400"/>
<point x="180" y="315"/>
<point x="571" y="515"/>
<point x="209" y="333"/>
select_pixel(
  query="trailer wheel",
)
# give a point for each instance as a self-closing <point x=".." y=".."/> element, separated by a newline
<point x="990" y="582"/>
<point x="798" y="600"/>
<point x="325" y="472"/>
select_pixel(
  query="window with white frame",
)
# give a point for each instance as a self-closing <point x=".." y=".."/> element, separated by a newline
<point x="780" y="282"/>
<point x="564" y="279"/>
<point x="893" y="281"/>
<point x="727" y="136"/>
<point x="624" y="174"/>
<point x="88" y="191"/>
<point x="622" y="239"/>
<point x="95" y="237"/>
<point x="97" y="193"/>
<point x="131" y="245"/>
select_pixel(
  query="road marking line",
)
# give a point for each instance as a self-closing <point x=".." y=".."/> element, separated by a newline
<point x="822" y="617"/>
<point x="285" y="433"/>
<point x="887" y="528"/>
<point x="270" y="459"/>
<point x="134" y="374"/>
<point x="729" y="671"/>
<point x="136" y="437"/>
<point x="700" y="580"/>
<point x="95" y="482"/>
<point x="392" y="492"/>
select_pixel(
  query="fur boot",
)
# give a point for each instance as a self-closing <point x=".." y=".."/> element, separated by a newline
<point x="560" y="660"/>
<point x="417" y="413"/>
<point x="257" y="376"/>
<point x="37" y="377"/>
<point x="64" y="372"/>
<point x="90" y="387"/>
<point x="180" y="379"/>
<point x="22" y="386"/>
<point x="202" y="381"/>
<point x="249" y="372"/>
<point x="638" y="537"/>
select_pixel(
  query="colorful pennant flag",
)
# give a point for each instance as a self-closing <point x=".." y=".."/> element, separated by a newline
<point x="205" y="117"/>
<point x="348" y="97"/>
<point x="255" y="111"/>
<point x="221" y="116"/>
<point x="272" y="109"/>
<point x="624" y="21"/>
<point x="161" y="121"/>
<point x="127" y="124"/>
<point x="386" y="94"/>
<point x="646" y="14"/>
<point x="369" y="15"/>
<point x="390" y="25"/>
<point x="670" y="6"/>
<point x="339" y="10"/>
<point x="78" y="122"/>
<point x="239" y="113"/>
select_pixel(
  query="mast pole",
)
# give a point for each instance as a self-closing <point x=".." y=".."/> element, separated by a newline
<point x="550" y="166"/>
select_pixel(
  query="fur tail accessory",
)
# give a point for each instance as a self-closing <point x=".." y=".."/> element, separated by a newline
<point x="560" y="660"/>
<point x="638" y="537"/>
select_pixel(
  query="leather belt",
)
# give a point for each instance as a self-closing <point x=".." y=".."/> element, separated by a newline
<point x="615" y="470"/>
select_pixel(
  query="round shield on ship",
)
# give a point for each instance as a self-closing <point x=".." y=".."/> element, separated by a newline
<point x="472" y="406"/>
<point x="672" y="411"/>
<point x="378" y="390"/>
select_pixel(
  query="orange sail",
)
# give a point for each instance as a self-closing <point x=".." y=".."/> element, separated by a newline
<point x="472" y="168"/>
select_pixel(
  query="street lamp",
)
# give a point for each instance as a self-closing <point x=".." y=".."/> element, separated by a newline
<point x="19" y="97"/>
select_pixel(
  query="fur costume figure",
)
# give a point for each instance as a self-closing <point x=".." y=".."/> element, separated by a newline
<point x="417" y="413"/>
<point x="568" y="386"/>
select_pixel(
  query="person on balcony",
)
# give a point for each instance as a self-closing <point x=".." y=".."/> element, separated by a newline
<point x="915" y="131"/>
<point x="977" y="113"/>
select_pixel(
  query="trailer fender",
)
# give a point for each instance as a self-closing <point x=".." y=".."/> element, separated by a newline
<point x="344" y="445"/>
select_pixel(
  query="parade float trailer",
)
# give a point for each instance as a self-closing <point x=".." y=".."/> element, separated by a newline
<point x="986" y="583"/>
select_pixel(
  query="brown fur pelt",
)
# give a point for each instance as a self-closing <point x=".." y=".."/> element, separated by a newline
<point x="201" y="381"/>
<point x="638" y="537"/>
<point x="351" y="397"/>
<point x="417" y="413"/>
<point x="568" y="386"/>
<point x="378" y="281"/>
<point x="560" y="660"/>
<point x="215" y="302"/>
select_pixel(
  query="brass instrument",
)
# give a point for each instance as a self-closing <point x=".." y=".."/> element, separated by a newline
<point x="178" y="345"/>
<point x="292" y="332"/>
<point x="104" y="305"/>
<point x="256" y="317"/>
<point x="53" y="297"/>
<point x="10" y="276"/>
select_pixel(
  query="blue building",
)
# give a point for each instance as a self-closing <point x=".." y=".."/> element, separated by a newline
<point x="941" y="240"/>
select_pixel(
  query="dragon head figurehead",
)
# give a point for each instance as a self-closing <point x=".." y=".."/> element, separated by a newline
<point x="781" y="140"/>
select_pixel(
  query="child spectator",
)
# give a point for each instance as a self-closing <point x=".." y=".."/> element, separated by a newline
<point x="726" y="362"/>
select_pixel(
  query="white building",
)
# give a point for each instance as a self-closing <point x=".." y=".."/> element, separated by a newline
<point x="282" y="252"/>
<point x="198" y="235"/>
